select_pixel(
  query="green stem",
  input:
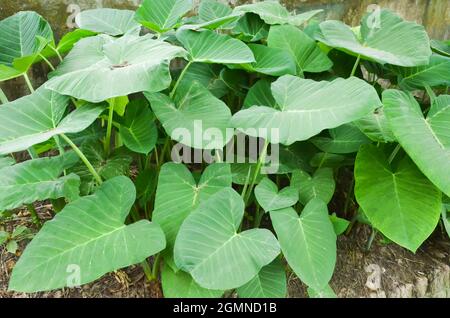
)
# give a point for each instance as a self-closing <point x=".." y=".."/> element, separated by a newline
<point x="371" y="238"/>
<point x="147" y="270"/>
<point x="109" y="127"/>
<point x="258" y="216"/>
<point x="33" y="154"/>
<point x="172" y="93"/>
<point x="394" y="153"/>
<point x="57" y="53"/>
<point x="261" y="161"/>
<point x="247" y="179"/>
<point x="355" y="67"/>
<point x="349" y="197"/>
<point x="34" y="215"/>
<point x="83" y="158"/>
<point x="3" y="98"/>
<point x="27" y="80"/>
<point x="47" y="61"/>
<point x="164" y="149"/>
<point x="60" y="148"/>
<point x="430" y="93"/>
<point x="155" y="268"/>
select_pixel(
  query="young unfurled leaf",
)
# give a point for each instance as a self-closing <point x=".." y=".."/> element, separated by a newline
<point x="162" y="16"/>
<point x="86" y="240"/>
<point x="385" y="38"/>
<point x="139" y="132"/>
<point x="178" y="194"/>
<point x="38" y="117"/>
<point x="210" y="47"/>
<point x="109" y="21"/>
<point x="321" y="185"/>
<point x="38" y="179"/>
<point x="181" y="285"/>
<point x="400" y="202"/>
<point x="269" y="283"/>
<point x="306" y="107"/>
<point x="427" y="141"/>
<point x="343" y="139"/>
<point x="195" y="117"/>
<point x="22" y="37"/>
<point x="103" y="67"/>
<point x="307" y="55"/>
<point x="213" y="229"/>
<point x="270" y="199"/>
<point x="308" y="242"/>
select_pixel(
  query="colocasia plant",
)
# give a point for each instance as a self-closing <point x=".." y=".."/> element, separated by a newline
<point x="208" y="148"/>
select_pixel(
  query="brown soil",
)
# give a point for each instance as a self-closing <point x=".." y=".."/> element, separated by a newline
<point x="387" y="270"/>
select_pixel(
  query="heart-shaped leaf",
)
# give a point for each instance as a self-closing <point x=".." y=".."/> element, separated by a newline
<point x="308" y="242"/>
<point x="400" y="202"/>
<point x="213" y="229"/>
<point x="376" y="126"/>
<point x="307" y="55"/>
<point x="162" y="16"/>
<point x="178" y="194"/>
<point x="269" y="283"/>
<point x="436" y="73"/>
<point x="210" y="47"/>
<point x="38" y="180"/>
<point x="86" y="240"/>
<point x="272" y="12"/>
<point x="103" y="67"/>
<point x="195" y="118"/>
<point x="139" y="132"/>
<point x="385" y="38"/>
<point x="309" y="107"/>
<point x="321" y="185"/>
<point x="427" y="141"/>
<point x="109" y="21"/>
<point x="22" y="37"/>
<point x="181" y="285"/>
<point x="39" y="117"/>
<point x="343" y="139"/>
<point x="270" y="199"/>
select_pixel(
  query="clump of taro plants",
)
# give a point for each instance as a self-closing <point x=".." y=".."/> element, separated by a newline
<point x="134" y="140"/>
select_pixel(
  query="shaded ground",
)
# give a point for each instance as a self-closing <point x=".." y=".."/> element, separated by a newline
<point x="387" y="270"/>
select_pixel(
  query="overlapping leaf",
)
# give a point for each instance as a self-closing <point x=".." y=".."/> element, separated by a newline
<point x="376" y="126"/>
<point x="86" y="240"/>
<point x="344" y="139"/>
<point x="427" y="141"/>
<point x="306" y="107"/>
<point x="213" y="229"/>
<point x="251" y="28"/>
<point x="271" y="199"/>
<point x="320" y="185"/>
<point x="109" y="21"/>
<point x="38" y="117"/>
<point x="308" y="242"/>
<point x="400" y="202"/>
<point x="102" y="67"/>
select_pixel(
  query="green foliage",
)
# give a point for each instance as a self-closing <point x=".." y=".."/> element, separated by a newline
<point x="248" y="72"/>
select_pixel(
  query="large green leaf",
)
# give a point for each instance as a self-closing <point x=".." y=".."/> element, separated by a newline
<point x="139" y="132"/>
<point x="308" y="56"/>
<point x="251" y="28"/>
<point x="308" y="242"/>
<point x="162" y="16"/>
<point x="195" y="118"/>
<point x="109" y="21"/>
<point x="216" y="15"/>
<point x="6" y="162"/>
<point x="116" y="164"/>
<point x="441" y="47"/>
<point x="103" y="67"/>
<point x="272" y="12"/>
<point x="210" y="47"/>
<point x="178" y="194"/>
<point x="306" y="107"/>
<point x="399" y="201"/>
<point x="436" y="73"/>
<point x="269" y="283"/>
<point x="343" y="139"/>
<point x="208" y="75"/>
<point x="22" y="37"/>
<point x="270" y="61"/>
<point x="427" y="141"/>
<point x="260" y="94"/>
<point x="222" y="257"/>
<point x="38" y="117"/>
<point x="388" y="39"/>
<point x="320" y="185"/>
<point x="87" y="238"/>
<point x="37" y="180"/>
<point x="376" y="126"/>
<point x="181" y="285"/>
<point x="271" y="199"/>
